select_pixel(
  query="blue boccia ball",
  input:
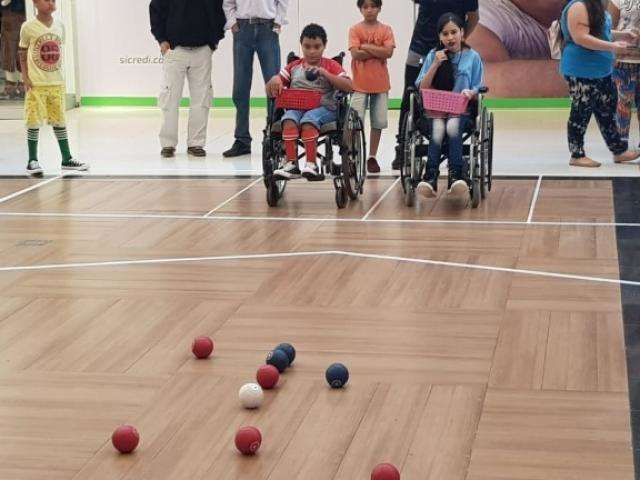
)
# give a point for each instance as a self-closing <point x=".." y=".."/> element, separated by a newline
<point x="278" y="359"/>
<point x="337" y="375"/>
<point x="312" y="74"/>
<point x="289" y="350"/>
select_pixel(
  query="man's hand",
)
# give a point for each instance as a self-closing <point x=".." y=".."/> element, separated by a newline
<point x="274" y="87"/>
<point x="164" y="47"/>
<point x="277" y="28"/>
<point x="235" y="28"/>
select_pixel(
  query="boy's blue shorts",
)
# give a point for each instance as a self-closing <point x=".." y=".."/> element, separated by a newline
<point x="316" y="117"/>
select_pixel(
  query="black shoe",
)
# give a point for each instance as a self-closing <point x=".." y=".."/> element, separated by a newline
<point x="397" y="162"/>
<point x="428" y="187"/>
<point x="237" y="150"/>
<point x="168" y="152"/>
<point x="197" y="152"/>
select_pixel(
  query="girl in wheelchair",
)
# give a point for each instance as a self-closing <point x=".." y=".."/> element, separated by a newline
<point x="451" y="66"/>
<point x="312" y="72"/>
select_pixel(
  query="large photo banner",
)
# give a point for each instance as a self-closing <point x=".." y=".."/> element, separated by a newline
<point x="513" y="40"/>
<point x="118" y="57"/>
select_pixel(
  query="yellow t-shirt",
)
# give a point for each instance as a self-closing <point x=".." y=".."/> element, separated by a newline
<point x="44" y="55"/>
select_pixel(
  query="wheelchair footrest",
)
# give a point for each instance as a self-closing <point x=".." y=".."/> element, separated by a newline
<point x="317" y="178"/>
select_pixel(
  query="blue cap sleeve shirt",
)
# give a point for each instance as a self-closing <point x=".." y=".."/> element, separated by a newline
<point x="581" y="62"/>
<point x="468" y="67"/>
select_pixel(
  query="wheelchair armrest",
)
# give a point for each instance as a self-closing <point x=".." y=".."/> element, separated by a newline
<point x="483" y="90"/>
<point x="412" y="89"/>
<point x="292" y="57"/>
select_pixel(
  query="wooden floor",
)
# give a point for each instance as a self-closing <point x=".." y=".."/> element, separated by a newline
<point x="464" y="365"/>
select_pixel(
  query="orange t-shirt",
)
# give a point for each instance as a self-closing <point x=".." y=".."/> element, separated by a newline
<point x="371" y="76"/>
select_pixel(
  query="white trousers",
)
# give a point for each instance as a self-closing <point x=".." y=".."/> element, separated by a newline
<point x="195" y="65"/>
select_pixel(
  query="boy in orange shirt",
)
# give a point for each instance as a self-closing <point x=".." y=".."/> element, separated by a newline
<point x="371" y="44"/>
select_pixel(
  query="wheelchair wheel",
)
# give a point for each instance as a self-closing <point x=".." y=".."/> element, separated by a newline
<point x="353" y="156"/>
<point x="484" y="153"/>
<point x="412" y="165"/>
<point x="475" y="193"/>
<point x="490" y="156"/>
<point x="273" y="194"/>
<point x="341" y="197"/>
<point x="409" y="193"/>
<point x="272" y="159"/>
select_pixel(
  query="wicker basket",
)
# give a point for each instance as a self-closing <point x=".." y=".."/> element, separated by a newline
<point x="299" y="99"/>
<point x="441" y="101"/>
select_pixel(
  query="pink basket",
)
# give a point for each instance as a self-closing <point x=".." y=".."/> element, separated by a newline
<point x="442" y="101"/>
<point x="299" y="99"/>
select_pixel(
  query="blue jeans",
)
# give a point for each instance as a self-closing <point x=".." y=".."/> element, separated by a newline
<point x="317" y="117"/>
<point x="452" y="128"/>
<point x="249" y="40"/>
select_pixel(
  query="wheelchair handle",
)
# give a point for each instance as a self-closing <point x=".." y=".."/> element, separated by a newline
<point x="483" y="90"/>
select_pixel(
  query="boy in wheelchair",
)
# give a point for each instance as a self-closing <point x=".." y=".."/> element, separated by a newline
<point x="454" y="67"/>
<point x="312" y="72"/>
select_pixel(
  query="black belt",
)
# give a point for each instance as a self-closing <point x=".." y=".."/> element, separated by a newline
<point x="256" y="21"/>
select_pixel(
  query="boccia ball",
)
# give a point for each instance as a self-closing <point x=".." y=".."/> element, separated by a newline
<point x="268" y="376"/>
<point x="250" y="395"/>
<point x="278" y="359"/>
<point x="289" y="350"/>
<point x="311" y="74"/>
<point x="248" y="440"/>
<point x="337" y="375"/>
<point x="385" y="471"/>
<point x="202" y="347"/>
<point x="125" y="438"/>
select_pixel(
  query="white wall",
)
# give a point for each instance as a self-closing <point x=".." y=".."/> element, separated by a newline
<point x="111" y="31"/>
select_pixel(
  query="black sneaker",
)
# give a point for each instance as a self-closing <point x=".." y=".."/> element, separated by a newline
<point x="237" y="150"/>
<point x="73" y="164"/>
<point x="168" y="152"/>
<point x="397" y="161"/>
<point x="197" y="152"/>
<point x="289" y="172"/>
<point x="458" y="186"/>
<point x="34" y="169"/>
<point x="428" y="187"/>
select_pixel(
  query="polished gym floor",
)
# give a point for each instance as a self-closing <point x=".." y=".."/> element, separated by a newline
<point x="490" y="344"/>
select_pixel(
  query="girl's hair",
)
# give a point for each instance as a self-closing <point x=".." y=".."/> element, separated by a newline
<point x="596" y="11"/>
<point x="445" y="77"/>
<point x="377" y="3"/>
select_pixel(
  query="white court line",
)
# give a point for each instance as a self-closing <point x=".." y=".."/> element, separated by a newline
<point x="143" y="216"/>
<point x="375" y="205"/>
<point x="421" y="261"/>
<point x="233" y="197"/>
<point x="534" y="200"/>
<point x="28" y="189"/>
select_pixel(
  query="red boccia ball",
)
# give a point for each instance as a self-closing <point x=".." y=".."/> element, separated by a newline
<point x="125" y="438"/>
<point x="385" y="471"/>
<point x="268" y="376"/>
<point x="248" y="440"/>
<point x="202" y="347"/>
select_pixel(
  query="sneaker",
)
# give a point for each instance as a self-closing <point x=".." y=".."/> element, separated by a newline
<point x="311" y="172"/>
<point x="73" y="164"/>
<point x="372" y="165"/>
<point x="458" y="187"/>
<point x="197" y="152"/>
<point x="584" y="162"/>
<point x="168" y="152"/>
<point x="34" y="169"/>
<point x="237" y="150"/>
<point x="428" y="187"/>
<point x="289" y="172"/>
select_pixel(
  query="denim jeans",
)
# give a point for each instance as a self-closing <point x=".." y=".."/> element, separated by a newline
<point x="452" y="128"/>
<point x="249" y="40"/>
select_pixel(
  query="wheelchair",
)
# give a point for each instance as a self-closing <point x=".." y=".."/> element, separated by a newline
<point x="347" y="134"/>
<point x="477" y="148"/>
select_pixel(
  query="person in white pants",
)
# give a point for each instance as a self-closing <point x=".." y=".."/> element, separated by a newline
<point x="188" y="33"/>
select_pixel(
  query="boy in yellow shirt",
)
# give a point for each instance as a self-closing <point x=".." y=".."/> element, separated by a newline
<point x="41" y="41"/>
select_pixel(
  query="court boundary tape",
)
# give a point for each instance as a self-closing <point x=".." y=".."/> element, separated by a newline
<point x="269" y="256"/>
<point x="13" y="195"/>
<point x="148" y="216"/>
<point x="232" y="197"/>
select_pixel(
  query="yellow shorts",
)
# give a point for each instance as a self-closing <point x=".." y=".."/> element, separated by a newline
<point x="45" y="105"/>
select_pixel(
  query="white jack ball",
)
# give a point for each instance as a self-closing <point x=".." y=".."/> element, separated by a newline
<point x="251" y="395"/>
